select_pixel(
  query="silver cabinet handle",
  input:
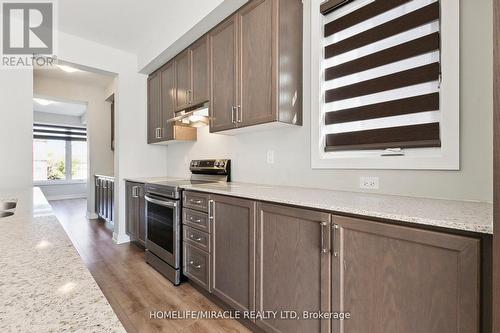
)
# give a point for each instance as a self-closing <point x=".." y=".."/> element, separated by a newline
<point x="192" y="264"/>
<point x="196" y="202"/>
<point x="211" y="209"/>
<point x="239" y="114"/>
<point x="192" y="219"/>
<point x="233" y="109"/>
<point x="324" y="233"/>
<point x="161" y="202"/>
<point x="335" y="229"/>
<point x="199" y="239"/>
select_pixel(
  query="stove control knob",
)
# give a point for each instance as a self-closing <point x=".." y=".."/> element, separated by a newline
<point x="217" y="164"/>
<point x="221" y="164"/>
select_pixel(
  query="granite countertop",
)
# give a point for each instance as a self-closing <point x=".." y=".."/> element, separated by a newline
<point x="150" y="180"/>
<point x="459" y="215"/>
<point x="104" y="176"/>
<point x="44" y="284"/>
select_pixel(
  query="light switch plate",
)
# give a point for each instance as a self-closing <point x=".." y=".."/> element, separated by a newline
<point x="369" y="183"/>
<point x="270" y="157"/>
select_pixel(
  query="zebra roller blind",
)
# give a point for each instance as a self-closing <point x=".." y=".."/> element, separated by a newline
<point x="55" y="132"/>
<point x="381" y="74"/>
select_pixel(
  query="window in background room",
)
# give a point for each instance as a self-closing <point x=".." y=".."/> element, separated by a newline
<point x="59" y="153"/>
<point x="388" y="84"/>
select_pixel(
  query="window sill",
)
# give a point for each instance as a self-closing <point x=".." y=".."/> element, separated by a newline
<point x="59" y="182"/>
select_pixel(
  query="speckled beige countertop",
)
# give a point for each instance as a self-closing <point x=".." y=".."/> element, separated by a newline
<point x="45" y="286"/>
<point x="460" y="215"/>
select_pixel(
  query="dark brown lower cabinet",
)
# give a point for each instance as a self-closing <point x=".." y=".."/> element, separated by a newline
<point x="104" y="198"/>
<point x="135" y="211"/>
<point x="293" y="266"/>
<point x="233" y="236"/>
<point x="387" y="278"/>
<point x="395" y="279"/>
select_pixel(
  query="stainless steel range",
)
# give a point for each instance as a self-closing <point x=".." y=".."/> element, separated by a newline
<point x="163" y="215"/>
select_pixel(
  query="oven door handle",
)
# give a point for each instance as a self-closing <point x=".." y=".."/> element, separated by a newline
<point x="161" y="202"/>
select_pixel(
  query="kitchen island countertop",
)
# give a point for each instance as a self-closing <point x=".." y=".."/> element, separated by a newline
<point x="44" y="283"/>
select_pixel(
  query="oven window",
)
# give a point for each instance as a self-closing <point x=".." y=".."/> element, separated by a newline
<point x="161" y="226"/>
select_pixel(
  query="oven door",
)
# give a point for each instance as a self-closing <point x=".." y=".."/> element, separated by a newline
<point x="163" y="228"/>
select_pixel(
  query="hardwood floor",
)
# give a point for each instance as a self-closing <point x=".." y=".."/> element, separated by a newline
<point x="132" y="287"/>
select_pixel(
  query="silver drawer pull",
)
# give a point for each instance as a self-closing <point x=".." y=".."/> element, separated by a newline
<point x="192" y="219"/>
<point x="196" y="202"/>
<point x="199" y="239"/>
<point x="191" y="263"/>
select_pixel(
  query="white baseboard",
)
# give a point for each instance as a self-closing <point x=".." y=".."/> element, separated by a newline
<point x="91" y="215"/>
<point x="120" y="239"/>
<point x="66" y="197"/>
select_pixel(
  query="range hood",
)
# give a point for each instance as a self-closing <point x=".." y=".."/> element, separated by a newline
<point x="193" y="118"/>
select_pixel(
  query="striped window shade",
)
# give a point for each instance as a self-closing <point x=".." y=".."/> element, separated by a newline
<point x="56" y="132"/>
<point x="381" y="74"/>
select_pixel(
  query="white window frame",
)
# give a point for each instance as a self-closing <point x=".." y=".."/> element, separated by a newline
<point x="68" y="170"/>
<point x="446" y="157"/>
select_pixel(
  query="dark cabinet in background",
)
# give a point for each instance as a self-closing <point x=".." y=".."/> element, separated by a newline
<point x="104" y="197"/>
<point x="135" y="211"/>
<point x="162" y="103"/>
<point x="155" y="120"/>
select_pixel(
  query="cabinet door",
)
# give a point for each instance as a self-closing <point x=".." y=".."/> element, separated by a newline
<point x="141" y="214"/>
<point x="154" y="108"/>
<point x="257" y="35"/>
<point x="398" y="279"/>
<point x="104" y="198"/>
<point x="233" y="230"/>
<point x="168" y="98"/>
<point x="131" y="209"/>
<point x="199" y="71"/>
<point x="97" y="197"/>
<point x="183" y="78"/>
<point x="293" y="266"/>
<point x="223" y="55"/>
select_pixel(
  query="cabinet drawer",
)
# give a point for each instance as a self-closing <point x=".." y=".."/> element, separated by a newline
<point x="198" y="201"/>
<point x="197" y="238"/>
<point x="196" y="220"/>
<point x="196" y="265"/>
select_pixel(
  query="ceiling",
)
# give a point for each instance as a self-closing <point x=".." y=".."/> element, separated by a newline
<point x="80" y="76"/>
<point x="59" y="107"/>
<point x="129" y="25"/>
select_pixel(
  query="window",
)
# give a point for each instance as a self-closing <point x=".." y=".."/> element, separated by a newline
<point x="388" y="84"/>
<point x="59" y="153"/>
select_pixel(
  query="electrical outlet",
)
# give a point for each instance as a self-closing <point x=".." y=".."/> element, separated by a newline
<point x="270" y="157"/>
<point x="368" y="183"/>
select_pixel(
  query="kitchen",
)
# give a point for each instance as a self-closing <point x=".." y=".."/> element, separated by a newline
<point x="226" y="166"/>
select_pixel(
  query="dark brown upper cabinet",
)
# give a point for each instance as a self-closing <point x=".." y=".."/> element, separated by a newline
<point x="162" y="100"/>
<point x="168" y="99"/>
<point x="154" y="108"/>
<point x="191" y="68"/>
<point x="256" y="66"/>
<point x="223" y="55"/>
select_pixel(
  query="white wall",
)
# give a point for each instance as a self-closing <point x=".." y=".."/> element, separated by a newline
<point x="133" y="156"/>
<point x="16" y="128"/>
<point x="98" y="117"/>
<point x="55" y="118"/>
<point x="292" y="146"/>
